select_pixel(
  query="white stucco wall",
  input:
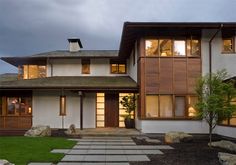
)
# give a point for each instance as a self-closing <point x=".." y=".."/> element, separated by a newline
<point x="219" y="60"/>
<point x="132" y="68"/>
<point x="163" y="126"/>
<point x="226" y="131"/>
<point x="46" y="109"/>
<point x="72" y="67"/>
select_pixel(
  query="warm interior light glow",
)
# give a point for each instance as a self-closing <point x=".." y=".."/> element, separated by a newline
<point x="62" y="105"/>
<point x="191" y="111"/>
<point x="29" y="110"/>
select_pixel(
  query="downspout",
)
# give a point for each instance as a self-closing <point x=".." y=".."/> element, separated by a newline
<point x="210" y="47"/>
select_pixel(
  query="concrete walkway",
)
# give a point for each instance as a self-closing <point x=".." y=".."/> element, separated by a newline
<point x="107" y="150"/>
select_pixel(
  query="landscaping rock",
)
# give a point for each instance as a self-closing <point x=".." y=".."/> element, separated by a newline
<point x="226" y="158"/>
<point x="225" y="144"/>
<point x="5" y="162"/>
<point x="39" y="130"/>
<point x="71" y="130"/>
<point x="176" y="137"/>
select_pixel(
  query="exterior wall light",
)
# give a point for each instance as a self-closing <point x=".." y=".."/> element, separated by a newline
<point x="63" y="105"/>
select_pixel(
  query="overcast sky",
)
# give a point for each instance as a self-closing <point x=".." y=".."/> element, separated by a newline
<point x="32" y="26"/>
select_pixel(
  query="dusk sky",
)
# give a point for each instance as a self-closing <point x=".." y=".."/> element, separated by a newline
<point x="28" y="27"/>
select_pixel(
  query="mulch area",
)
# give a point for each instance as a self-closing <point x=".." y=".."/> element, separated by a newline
<point x="196" y="152"/>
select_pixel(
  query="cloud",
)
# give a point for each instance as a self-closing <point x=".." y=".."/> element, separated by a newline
<point x="29" y="27"/>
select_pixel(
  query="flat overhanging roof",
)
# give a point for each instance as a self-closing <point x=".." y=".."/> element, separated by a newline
<point x="134" y="30"/>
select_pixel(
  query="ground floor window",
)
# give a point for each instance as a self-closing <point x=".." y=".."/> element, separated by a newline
<point x="170" y="106"/>
<point x="100" y="110"/>
<point x="232" y="120"/>
<point x="16" y="106"/>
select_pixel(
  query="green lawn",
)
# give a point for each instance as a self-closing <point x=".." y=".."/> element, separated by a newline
<point x="22" y="150"/>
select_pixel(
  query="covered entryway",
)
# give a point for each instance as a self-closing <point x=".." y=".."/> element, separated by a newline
<point x="111" y="110"/>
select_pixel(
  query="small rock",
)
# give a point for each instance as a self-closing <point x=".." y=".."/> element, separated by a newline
<point x="176" y="137"/>
<point x="226" y="158"/>
<point x="39" y="130"/>
<point x="224" y="144"/>
<point x="5" y="162"/>
<point x="71" y="130"/>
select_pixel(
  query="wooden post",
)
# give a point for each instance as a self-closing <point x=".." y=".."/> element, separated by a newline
<point x="81" y="109"/>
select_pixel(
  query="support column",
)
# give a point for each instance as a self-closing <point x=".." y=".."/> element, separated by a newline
<point x="81" y="109"/>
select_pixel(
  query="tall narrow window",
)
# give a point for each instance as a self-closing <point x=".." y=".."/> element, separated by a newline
<point x="1" y="106"/>
<point x="152" y="106"/>
<point x="85" y="66"/>
<point x="166" y="106"/>
<point x="179" y="48"/>
<point x="179" y="106"/>
<point x="228" y="45"/>
<point x="151" y="47"/>
<point x="193" y="47"/>
<point x="165" y="47"/>
<point x="192" y="100"/>
<point x="100" y="108"/>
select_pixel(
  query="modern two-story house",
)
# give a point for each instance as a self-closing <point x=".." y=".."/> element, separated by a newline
<point x="158" y="62"/>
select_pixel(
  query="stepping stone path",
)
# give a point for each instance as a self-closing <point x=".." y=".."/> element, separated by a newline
<point x="107" y="150"/>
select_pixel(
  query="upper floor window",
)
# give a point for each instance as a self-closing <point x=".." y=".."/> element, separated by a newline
<point x="228" y="45"/>
<point x="118" y="67"/>
<point x="31" y="71"/>
<point x="172" y="47"/>
<point x="85" y="66"/>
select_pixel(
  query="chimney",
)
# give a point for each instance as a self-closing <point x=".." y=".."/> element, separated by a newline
<point x="74" y="44"/>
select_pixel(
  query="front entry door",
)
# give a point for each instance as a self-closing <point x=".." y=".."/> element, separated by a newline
<point x="111" y="110"/>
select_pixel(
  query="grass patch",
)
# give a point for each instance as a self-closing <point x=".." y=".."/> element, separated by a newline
<point x="22" y="150"/>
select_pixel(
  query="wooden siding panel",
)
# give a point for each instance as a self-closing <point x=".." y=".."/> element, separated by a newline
<point x="180" y="76"/>
<point x="166" y="76"/>
<point x="194" y="72"/>
<point x="151" y="72"/>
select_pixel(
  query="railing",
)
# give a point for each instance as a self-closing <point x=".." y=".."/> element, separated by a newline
<point x="16" y="122"/>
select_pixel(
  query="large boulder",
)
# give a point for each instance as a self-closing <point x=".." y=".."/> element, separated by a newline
<point x="71" y="130"/>
<point x="39" y="130"/>
<point x="176" y="137"/>
<point x="228" y="145"/>
<point x="226" y="158"/>
<point x="5" y="162"/>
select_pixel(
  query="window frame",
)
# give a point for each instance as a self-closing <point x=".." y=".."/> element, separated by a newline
<point x="118" y="63"/>
<point x="233" y="45"/>
<point x="85" y="66"/>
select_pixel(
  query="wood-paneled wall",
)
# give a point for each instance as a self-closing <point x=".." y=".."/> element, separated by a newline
<point x="166" y="75"/>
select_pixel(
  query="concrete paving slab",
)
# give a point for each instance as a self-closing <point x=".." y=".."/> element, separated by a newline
<point x="153" y="141"/>
<point x="73" y="158"/>
<point x="136" y="147"/>
<point x="94" y="158"/>
<point x="117" y="163"/>
<point x="76" y="163"/>
<point x="133" y="152"/>
<point x="96" y="152"/>
<point x="138" y="158"/>
<point x="114" y="152"/>
<point x="64" y="151"/>
<point x="116" y="158"/>
<point x="150" y="152"/>
<point x="78" y="152"/>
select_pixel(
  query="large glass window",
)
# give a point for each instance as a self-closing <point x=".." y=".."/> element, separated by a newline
<point x="228" y="45"/>
<point x="192" y="100"/>
<point x="180" y="106"/>
<point x="152" y="107"/>
<point x="179" y="48"/>
<point x="31" y="71"/>
<point x="1" y="106"/>
<point x="19" y="106"/>
<point x="122" y="111"/>
<point x="151" y="47"/>
<point x="166" y="108"/>
<point x="165" y="47"/>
